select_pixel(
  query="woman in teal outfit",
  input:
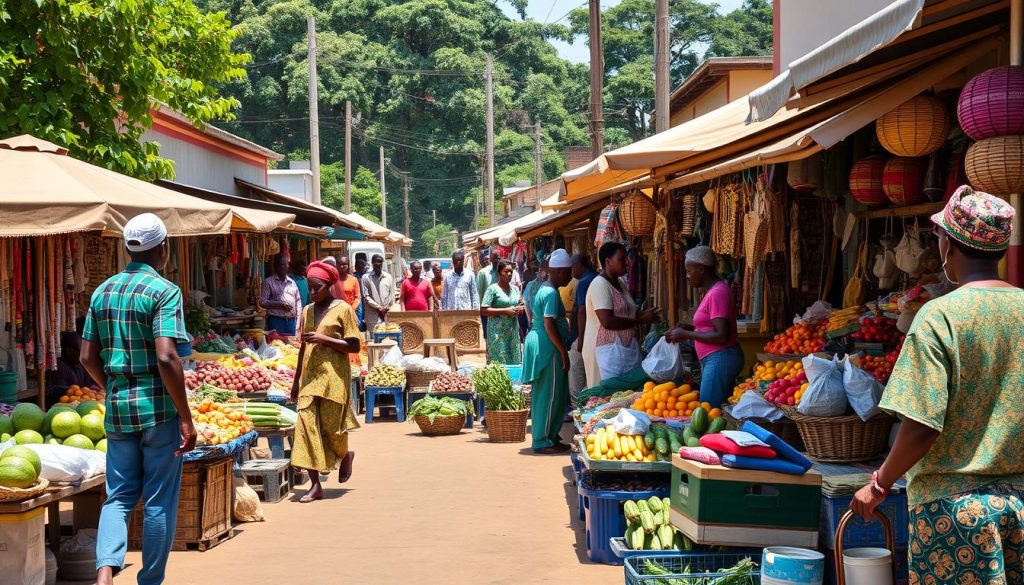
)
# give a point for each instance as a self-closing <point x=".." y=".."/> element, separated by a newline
<point x="501" y="305"/>
<point x="546" y="359"/>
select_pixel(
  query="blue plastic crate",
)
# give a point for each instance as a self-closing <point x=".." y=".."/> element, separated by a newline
<point x="577" y="476"/>
<point x="514" y="372"/>
<point x="604" y="519"/>
<point x="859" y="533"/>
<point x="700" y="564"/>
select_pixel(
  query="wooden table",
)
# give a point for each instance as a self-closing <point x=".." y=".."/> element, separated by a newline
<point x="94" y="488"/>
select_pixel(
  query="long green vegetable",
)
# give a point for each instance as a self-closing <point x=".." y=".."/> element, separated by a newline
<point x="494" y="385"/>
<point x="740" y="574"/>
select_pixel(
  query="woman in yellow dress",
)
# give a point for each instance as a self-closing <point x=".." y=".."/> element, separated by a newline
<point x="321" y="387"/>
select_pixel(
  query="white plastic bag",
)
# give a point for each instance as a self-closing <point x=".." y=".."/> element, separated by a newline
<point x="753" y="405"/>
<point x="393" y="357"/>
<point x="817" y="312"/>
<point x="83" y="542"/>
<point x="862" y="390"/>
<point x="664" y="363"/>
<point x="615" y="359"/>
<point x="826" y="395"/>
<point x="627" y="422"/>
<point x="66" y="464"/>
<point x="412" y="362"/>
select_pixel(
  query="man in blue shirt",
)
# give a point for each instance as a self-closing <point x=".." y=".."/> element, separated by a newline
<point x="584" y="273"/>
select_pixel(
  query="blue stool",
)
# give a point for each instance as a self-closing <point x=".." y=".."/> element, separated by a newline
<point x="371" y="393"/>
<point x="379" y="337"/>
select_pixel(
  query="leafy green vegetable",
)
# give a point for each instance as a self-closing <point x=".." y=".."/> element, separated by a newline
<point x="433" y="407"/>
<point x="218" y="345"/>
<point x="197" y="322"/>
<point x="494" y="385"/>
<point x="213" y="393"/>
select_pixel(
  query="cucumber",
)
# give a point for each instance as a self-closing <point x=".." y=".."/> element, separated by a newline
<point x="654" y="503"/>
<point x="649" y="439"/>
<point x="717" y="425"/>
<point x="693" y="442"/>
<point x="687" y="433"/>
<point x="631" y="511"/>
<point x="642" y="505"/>
<point x="699" y="420"/>
<point x="661" y="445"/>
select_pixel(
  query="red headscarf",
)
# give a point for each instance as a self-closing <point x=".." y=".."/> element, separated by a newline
<point x="322" y="271"/>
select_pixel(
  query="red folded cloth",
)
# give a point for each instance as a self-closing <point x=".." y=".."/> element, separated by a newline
<point x="701" y="454"/>
<point x="725" y="446"/>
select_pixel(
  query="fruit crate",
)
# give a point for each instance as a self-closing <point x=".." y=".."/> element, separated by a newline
<point x="605" y="519"/>
<point x="704" y="567"/>
<point x="859" y="533"/>
<point x="641" y="466"/>
<point x="619" y="549"/>
<point x="204" y="507"/>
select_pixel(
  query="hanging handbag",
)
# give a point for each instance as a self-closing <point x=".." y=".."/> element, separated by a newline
<point x="853" y="296"/>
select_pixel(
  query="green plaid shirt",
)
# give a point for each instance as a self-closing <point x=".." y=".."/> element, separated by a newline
<point x="126" y="315"/>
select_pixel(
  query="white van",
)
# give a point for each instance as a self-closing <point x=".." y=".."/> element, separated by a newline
<point x="367" y="249"/>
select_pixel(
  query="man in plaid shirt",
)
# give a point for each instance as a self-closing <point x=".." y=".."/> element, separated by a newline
<point x="133" y="326"/>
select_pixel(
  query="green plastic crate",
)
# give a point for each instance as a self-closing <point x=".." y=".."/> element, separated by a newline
<point x="711" y="494"/>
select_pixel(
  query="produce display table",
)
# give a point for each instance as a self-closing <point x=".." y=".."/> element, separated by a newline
<point x="90" y="491"/>
<point x="620" y="466"/>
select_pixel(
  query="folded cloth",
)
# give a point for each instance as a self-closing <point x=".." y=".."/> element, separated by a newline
<point x="744" y="439"/>
<point x="721" y="444"/>
<point x="782" y="448"/>
<point x="700" y="454"/>
<point x="777" y="465"/>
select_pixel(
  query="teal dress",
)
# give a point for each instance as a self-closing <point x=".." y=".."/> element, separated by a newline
<point x="543" y="368"/>
<point x="503" y="345"/>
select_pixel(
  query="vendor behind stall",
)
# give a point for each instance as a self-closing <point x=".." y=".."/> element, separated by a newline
<point x="69" y="371"/>
<point x="281" y="298"/>
<point x="714" y="328"/>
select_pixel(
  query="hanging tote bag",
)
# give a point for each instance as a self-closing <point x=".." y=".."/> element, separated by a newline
<point x="853" y="296"/>
<point x="608" y="229"/>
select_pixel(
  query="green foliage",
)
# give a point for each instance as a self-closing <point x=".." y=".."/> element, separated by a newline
<point x="85" y="74"/>
<point x="438" y="241"/>
<point x="365" y="190"/>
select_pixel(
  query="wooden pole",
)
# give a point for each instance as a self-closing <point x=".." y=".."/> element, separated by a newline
<point x="661" y="69"/>
<point x="538" y="168"/>
<point x="596" y="81"/>
<point x="383" y="193"/>
<point x="314" y="116"/>
<point x="670" y="261"/>
<point x="489" y="79"/>
<point x="1014" y="262"/>
<point x="348" y="157"/>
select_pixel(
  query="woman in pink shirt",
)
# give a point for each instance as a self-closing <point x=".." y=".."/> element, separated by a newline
<point x="714" y="328"/>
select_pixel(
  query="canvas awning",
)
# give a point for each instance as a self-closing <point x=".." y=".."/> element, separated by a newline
<point x="506" y="232"/>
<point x="328" y="216"/>
<point x="249" y="215"/>
<point x="46" y="192"/>
<point x="377" y="231"/>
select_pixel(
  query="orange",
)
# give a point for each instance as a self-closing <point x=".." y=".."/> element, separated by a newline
<point x="657" y="412"/>
<point x="687" y="412"/>
<point x="671" y="401"/>
<point x="661" y="406"/>
<point x="706" y="405"/>
<point x="65" y="399"/>
<point x="673" y="413"/>
<point x="693" y="404"/>
<point x="715" y="413"/>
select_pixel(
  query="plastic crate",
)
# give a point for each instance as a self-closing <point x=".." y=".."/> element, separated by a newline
<point x="514" y="372"/>
<point x="858" y="532"/>
<point x="900" y="559"/>
<point x="604" y="519"/>
<point x="701" y="564"/>
<point x="619" y="549"/>
<point x="577" y="476"/>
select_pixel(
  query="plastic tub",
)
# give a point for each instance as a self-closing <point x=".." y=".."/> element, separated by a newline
<point x="605" y="520"/>
<point x="786" y="565"/>
<point x="867" y="566"/>
<point x="514" y="372"/>
<point x="8" y="387"/>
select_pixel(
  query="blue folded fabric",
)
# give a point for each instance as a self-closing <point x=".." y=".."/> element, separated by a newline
<point x="783" y="449"/>
<point x="777" y="465"/>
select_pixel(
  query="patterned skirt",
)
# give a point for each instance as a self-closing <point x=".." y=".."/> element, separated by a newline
<point x="321" y="437"/>
<point x="976" y="538"/>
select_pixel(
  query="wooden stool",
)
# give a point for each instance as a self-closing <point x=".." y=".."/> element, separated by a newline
<point x="446" y="345"/>
<point x="372" y="350"/>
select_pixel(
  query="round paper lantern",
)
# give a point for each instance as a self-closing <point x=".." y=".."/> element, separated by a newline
<point x="903" y="180"/>
<point x="992" y="104"/>
<point x="996" y="165"/>
<point x="918" y="127"/>
<point x="637" y="215"/>
<point x="866" y="181"/>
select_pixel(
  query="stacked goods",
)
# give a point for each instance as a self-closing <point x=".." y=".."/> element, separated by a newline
<point x="601" y="407"/>
<point x="283" y="378"/>
<point x="385" y="375"/>
<point x="881" y="367"/>
<point x="266" y="415"/>
<point x="771" y="371"/>
<point x="879" y="329"/>
<point x="288" y="356"/>
<point x="648" y="528"/>
<point x="800" y="339"/>
<point x="217" y="424"/>
<point x="451" y="382"/>
<point x="843" y="322"/>
<point x="790" y="388"/>
<point x="702" y="423"/>
<point x="667" y="401"/>
<point x="76" y="393"/>
<point x="607" y="445"/>
<point x="19" y="467"/>
<point x="494" y="385"/>
<point x="215" y="344"/>
<point x="432" y="407"/>
<point x="386" y="327"/>
<point x="247" y="378"/>
<point x="741" y="389"/>
<point x="61" y="425"/>
<point x="648" y="569"/>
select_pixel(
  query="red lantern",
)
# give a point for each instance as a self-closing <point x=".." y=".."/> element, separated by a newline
<point x="866" y="181"/>
<point x="903" y="180"/>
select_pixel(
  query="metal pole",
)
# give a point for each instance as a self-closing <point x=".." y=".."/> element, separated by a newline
<point x="1014" y="256"/>
<point x="383" y="193"/>
<point x="348" y="156"/>
<point x="661" y="74"/>
<point x="538" y="168"/>
<point x="596" y="81"/>
<point x="489" y="78"/>
<point x="314" y="116"/>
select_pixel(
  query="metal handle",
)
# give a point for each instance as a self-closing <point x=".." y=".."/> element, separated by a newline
<point x="889" y="544"/>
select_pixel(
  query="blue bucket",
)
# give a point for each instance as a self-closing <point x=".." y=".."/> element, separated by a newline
<point x="8" y="387"/>
<point x="784" y="565"/>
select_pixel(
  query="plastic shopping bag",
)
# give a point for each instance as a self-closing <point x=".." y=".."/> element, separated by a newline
<point x="826" y="395"/>
<point x="862" y="390"/>
<point x="61" y="464"/>
<point x="393" y="357"/>
<point x="615" y="359"/>
<point x="627" y="422"/>
<point x="664" y="363"/>
<point x="753" y="405"/>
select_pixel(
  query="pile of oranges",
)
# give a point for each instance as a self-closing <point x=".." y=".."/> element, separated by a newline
<point x="669" y="401"/>
<point x="770" y="371"/>
<point x="217" y="423"/>
<point x="800" y="339"/>
<point x="741" y="389"/>
<point x="76" y="393"/>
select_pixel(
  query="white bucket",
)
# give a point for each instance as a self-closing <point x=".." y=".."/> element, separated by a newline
<point x="867" y="566"/>
<point x="784" y="565"/>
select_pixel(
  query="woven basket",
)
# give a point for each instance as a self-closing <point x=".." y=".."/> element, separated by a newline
<point x="903" y="180"/>
<point x="784" y="428"/>
<point x="866" y="181"/>
<point x="442" y="425"/>
<point x="419" y="378"/>
<point x="918" y="127"/>
<point x="689" y="215"/>
<point x="20" y="494"/>
<point x="996" y="165"/>
<point x="637" y="215"/>
<point x="507" y="426"/>
<point x="992" y="104"/>
<point x="843" y="439"/>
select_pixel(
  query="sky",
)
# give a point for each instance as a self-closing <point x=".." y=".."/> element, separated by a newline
<point x="558" y="11"/>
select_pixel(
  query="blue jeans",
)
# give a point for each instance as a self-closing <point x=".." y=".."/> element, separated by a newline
<point x="141" y="465"/>
<point x="283" y="325"/>
<point x="718" y="373"/>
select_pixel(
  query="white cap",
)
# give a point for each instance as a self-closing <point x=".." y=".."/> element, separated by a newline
<point x="144" y="232"/>
<point x="560" y="259"/>
<point x="701" y="255"/>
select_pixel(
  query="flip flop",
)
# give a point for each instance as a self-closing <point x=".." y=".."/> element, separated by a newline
<point x="350" y="458"/>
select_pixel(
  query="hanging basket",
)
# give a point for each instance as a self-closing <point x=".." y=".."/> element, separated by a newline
<point x="689" y="215"/>
<point x="992" y="103"/>
<point x="866" y="181"/>
<point x="903" y="180"/>
<point x="637" y="215"/>
<point x="807" y="175"/>
<point x="918" y="127"/>
<point x="996" y="165"/>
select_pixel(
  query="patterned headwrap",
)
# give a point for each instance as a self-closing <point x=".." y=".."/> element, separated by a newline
<point x="322" y="271"/>
<point x="977" y="220"/>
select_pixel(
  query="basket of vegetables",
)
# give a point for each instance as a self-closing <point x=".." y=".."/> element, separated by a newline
<point x="452" y="383"/>
<point x="439" y="416"/>
<point x="505" y="404"/>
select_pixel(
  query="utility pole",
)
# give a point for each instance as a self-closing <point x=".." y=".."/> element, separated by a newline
<point x="596" y="81"/>
<point x="348" y="156"/>
<point x="489" y="77"/>
<point x="435" y="219"/>
<point x="538" y="170"/>
<point x="383" y="193"/>
<point x="477" y="199"/>
<point x="661" y="75"/>
<point x="405" y="189"/>
<point x="314" y="116"/>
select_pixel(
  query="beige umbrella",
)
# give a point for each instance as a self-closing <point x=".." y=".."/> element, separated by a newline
<point x="43" y="191"/>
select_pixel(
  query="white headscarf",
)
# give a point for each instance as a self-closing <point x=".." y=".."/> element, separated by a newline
<point x="701" y="255"/>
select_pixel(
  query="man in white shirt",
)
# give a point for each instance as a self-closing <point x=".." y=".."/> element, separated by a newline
<point x="460" y="292"/>
<point x="378" y="293"/>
